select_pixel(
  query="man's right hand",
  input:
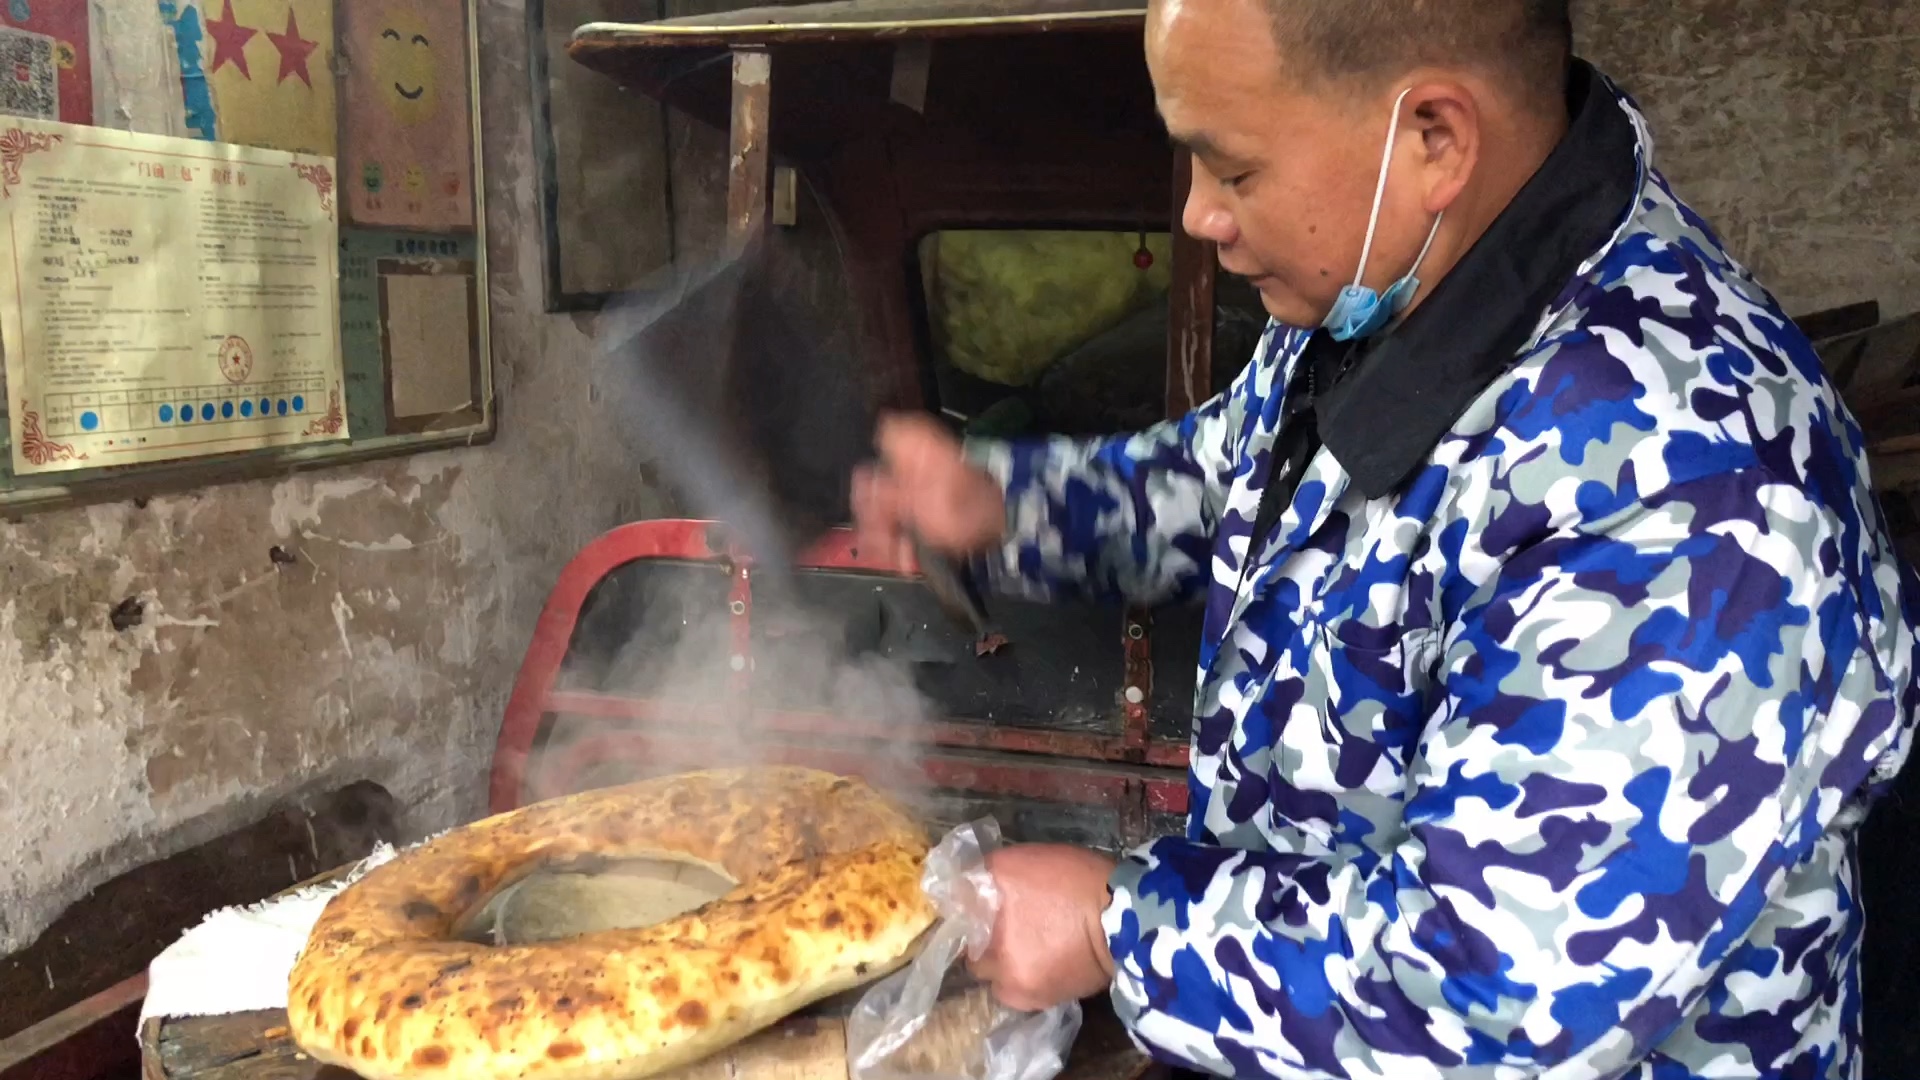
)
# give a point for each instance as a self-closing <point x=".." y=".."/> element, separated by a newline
<point x="924" y="488"/>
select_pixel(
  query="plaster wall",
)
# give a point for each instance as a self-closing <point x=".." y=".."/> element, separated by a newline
<point x="384" y="650"/>
<point x="1794" y="127"/>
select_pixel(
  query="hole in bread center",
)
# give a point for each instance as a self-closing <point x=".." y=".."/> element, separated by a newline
<point x="559" y="902"/>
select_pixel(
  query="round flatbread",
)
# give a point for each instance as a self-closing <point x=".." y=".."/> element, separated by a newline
<point x="828" y="898"/>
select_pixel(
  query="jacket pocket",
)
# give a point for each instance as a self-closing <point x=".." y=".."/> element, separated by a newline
<point x="1375" y="685"/>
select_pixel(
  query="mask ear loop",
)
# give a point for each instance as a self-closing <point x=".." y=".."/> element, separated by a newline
<point x="1428" y="246"/>
<point x="1380" y="188"/>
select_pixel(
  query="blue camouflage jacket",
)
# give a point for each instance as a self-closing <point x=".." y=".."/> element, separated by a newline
<point x="1534" y="737"/>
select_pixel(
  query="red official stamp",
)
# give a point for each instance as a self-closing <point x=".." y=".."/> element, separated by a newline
<point x="236" y="359"/>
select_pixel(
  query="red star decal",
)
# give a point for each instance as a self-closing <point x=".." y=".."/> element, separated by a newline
<point x="229" y="42"/>
<point x="294" y="51"/>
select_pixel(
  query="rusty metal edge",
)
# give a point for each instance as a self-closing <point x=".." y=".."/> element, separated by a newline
<point x="72" y="1022"/>
<point x="596" y="36"/>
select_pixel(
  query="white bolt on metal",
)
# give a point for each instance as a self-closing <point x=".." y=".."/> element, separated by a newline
<point x="738" y="607"/>
<point x="738" y="663"/>
<point x="1135" y="695"/>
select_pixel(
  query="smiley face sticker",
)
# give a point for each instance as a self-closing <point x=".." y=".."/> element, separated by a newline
<point x="406" y="66"/>
<point x="408" y="106"/>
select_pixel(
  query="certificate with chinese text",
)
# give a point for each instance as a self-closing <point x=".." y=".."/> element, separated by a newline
<point x="164" y="298"/>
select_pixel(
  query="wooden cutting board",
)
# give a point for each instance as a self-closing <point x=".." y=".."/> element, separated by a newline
<point x="811" y="1046"/>
<point x="255" y="1046"/>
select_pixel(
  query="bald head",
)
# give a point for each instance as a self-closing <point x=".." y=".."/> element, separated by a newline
<point x="1522" y="45"/>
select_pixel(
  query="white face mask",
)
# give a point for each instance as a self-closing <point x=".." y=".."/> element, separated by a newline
<point x="1359" y="311"/>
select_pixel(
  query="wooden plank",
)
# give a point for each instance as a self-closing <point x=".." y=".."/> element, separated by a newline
<point x="1834" y="322"/>
<point x="912" y="65"/>
<point x="1893" y="472"/>
<point x="192" y="1045"/>
<point x="786" y="195"/>
<point x="1189" y="305"/>
<point x="255" y="1046"/>
<point x="292" y="1066"/>
<point x="748" y="157"/>
<point x="1868" y="364"/>
<point x="93" y="1038"/>
<point x="1886" y="413"/>
<point x="111" y="934"/>
<point x="242" y="1046"/>
<point x="859" y="20"/>
<point x="605" y="203"/>
<point x="150" y="1067"/>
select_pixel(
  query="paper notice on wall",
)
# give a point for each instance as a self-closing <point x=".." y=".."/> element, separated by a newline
<point x="257" y="72"/>
<point x="429" y="343"/>
<point x="407" y="152"/>
<point x="164" y="298"/>
<point x="46" y="63"/>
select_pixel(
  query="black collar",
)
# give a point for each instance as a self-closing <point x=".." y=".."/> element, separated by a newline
<point x="1405" y="390"/>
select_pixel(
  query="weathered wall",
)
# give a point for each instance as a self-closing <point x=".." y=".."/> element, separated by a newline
<point x="386" y="648"/>
<point x="1793" y="126"/>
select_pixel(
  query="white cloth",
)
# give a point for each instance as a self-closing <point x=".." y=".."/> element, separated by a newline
<point x="238" y="959"/>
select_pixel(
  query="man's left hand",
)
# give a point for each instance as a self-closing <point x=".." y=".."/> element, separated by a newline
<point x="1048" y="946"/>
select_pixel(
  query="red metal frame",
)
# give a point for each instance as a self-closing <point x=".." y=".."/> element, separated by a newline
<point x="984" y="774"/>
<point x="89" y="1040"/>
<point x="1131" y="772"/>
<point x="1131" y="748"/>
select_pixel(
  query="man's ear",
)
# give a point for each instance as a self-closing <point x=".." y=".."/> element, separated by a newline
<point x="1448" y="119"/>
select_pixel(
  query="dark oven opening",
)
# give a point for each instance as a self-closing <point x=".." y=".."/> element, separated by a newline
<point x="1042" y="330"/>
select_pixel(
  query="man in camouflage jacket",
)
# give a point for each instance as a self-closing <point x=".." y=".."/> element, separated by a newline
<point x="1554" y="646"/>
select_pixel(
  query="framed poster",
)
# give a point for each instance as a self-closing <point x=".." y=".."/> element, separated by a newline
<point x="163" y="299"/>
<point x="300" y="336"/>
<point x="607" y="205"/>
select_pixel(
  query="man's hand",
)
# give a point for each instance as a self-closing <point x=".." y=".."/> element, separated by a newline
<point x="924" y="486"/>
<point x="1048" y="946"/>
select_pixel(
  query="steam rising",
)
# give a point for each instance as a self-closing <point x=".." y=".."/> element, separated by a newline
<point x="754" y="418"/>
<point x="673" y="399"/>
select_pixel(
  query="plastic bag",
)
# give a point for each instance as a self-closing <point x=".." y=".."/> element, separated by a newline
<point x="930" y="1021"/>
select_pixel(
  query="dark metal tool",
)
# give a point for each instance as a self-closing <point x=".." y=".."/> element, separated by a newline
<point x="756" y="411"/>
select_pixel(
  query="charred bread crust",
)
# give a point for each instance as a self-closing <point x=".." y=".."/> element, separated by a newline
<point x="828" y="898"/>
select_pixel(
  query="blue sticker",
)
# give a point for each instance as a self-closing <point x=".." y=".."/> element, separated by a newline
<point x="195" y="91"/>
